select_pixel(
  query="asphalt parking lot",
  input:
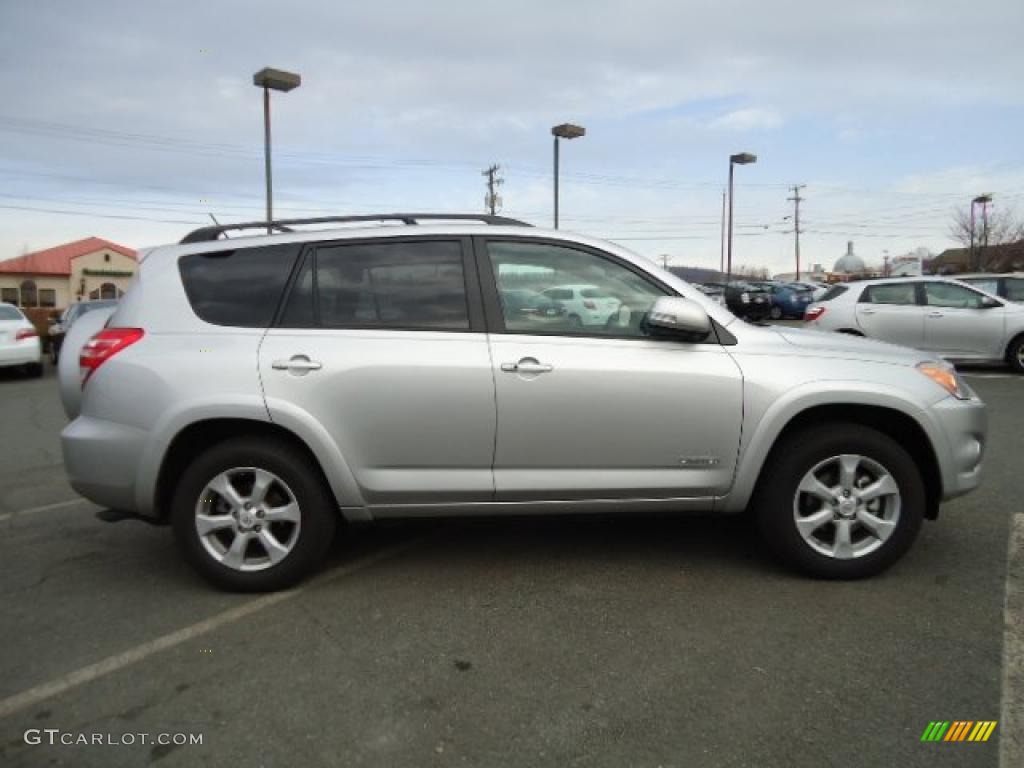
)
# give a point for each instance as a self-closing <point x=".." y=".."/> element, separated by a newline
<point x="540" y="642"/>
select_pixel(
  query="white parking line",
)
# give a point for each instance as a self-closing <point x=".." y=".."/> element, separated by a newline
<point x="44" y="508"/>
<point x="33" y="696"/>
<point x="1011" y="725"/>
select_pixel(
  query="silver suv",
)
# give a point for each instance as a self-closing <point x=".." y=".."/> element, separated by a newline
<point x="257" y="391"/>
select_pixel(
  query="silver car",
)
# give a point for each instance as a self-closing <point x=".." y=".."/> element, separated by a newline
<point x="258" y="392"/>
<point x="944" y="317"/>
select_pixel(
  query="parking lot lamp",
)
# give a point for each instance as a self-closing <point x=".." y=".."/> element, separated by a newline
<point x="741" y="158"/>
<point x="564" y="131"/>
<point x="278" y="80"/>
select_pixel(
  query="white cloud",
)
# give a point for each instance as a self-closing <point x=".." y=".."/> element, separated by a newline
<point x="749" y="119"/>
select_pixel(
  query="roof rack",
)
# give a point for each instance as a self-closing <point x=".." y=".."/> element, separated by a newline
<point x="205" y="234"/>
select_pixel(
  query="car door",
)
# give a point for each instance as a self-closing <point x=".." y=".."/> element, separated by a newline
<point x="381" y="344"/>
<point x="890" y="312"/>
<point x="959" y="324"/>
<point x="603" y="412"/>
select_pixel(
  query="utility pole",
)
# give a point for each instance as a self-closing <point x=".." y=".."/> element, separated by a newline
<point x="493" y="201"/>
<point x="796" y="200"/>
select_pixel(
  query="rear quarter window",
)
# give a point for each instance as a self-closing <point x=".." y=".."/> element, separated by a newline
<point x="834" y="292"/>
<point x="240" y="287"/>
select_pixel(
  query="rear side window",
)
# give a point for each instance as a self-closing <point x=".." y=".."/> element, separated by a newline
<point x="241" y="287"/>
<point x="1014" y="288"/>
<point x="891" y="293"/>
<point x="401" y="285"/>
<point x="834" y="292"/>
<point x="10" y="313"/>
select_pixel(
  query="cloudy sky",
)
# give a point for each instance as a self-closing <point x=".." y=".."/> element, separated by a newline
<point x="134" y="120"/>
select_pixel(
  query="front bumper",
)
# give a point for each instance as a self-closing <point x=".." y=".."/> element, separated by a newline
<point x="964" y="426"/>
<point x="101" y="459"/>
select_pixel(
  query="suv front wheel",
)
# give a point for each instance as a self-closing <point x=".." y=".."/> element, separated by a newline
<point x="841" y="501"/>
<point x="250" y="515"/>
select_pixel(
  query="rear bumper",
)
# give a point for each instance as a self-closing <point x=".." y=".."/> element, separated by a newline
<point x="21" y="352"/>
<point x="101" y="459"/>
<point x="964" y="424"/>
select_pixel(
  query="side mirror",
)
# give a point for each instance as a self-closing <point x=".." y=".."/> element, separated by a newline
<point x="680" y="318"/>
<point x="987" y="302"/>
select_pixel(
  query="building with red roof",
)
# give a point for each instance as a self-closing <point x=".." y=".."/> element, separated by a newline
<point x="92" y="268"/>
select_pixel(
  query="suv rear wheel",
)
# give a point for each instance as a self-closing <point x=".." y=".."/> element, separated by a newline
<point x="842" y="501"/>
<point x="250" y="515"/>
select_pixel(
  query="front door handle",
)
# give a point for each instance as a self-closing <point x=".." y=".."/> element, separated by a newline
<point x="867" y="311"/>
<point x="936" y="314"/>
<point x="527" y="365"/>
<point x="297" y="364"/>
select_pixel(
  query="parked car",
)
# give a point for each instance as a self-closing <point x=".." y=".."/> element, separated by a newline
<point x="944" y="317"/>
<point x="748" y="301"/>
<point x="532" y="308"/>
<point x="585" y="305"/>
<point x="817" y="289"/>
<point x="19" y="341"/>
<point x="788" y="300"/>
<point x="1007" y="286"/>
<point x="59" y="329"/>
<point x="714" y="291"/>
<point x="256" y="392"/>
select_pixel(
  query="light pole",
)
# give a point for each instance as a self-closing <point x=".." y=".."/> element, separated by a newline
<point x="983" y="201"/>
<point x="742" y="158"/>
<point x="278" y="80"/>
<point x="564" y="131"/>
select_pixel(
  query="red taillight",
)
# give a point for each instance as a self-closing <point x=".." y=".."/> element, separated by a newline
<point x="589" y="305"/>
<point x="103" y="346"/>
<point x="25" y="333"/>
<point x="813" y="313"/>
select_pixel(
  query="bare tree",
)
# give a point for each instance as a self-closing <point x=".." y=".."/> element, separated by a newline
<point x="1004" y="226"/>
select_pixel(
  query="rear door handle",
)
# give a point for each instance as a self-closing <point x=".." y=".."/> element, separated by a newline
<point x="527" y="365"/>
<point x="936" y="314"/>
<point x="867" y="311"/>
<point x="297" y="363"/>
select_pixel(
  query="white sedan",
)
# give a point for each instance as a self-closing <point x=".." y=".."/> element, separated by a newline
<point x="952" y="319"/>
<point x="19" y="341"/>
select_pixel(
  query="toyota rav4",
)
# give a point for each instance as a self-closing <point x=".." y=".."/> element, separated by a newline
<point x="256" y="392"/>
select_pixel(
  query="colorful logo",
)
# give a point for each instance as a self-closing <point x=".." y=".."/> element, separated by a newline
<point x="958" y="730"/>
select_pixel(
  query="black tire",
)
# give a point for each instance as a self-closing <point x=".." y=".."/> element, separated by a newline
<point x="318" y="512"/>
<point x="775" y="313"/>
<point x="790" y="462"/>
<point x="1015" y="354"/>
<point x="34" y="370"/>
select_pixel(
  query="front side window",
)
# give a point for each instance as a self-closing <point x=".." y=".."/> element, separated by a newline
<point x="239" y="287"/>
<point x="951" y="296"/>
<point x="989" y="284"/>
<point x="890" y="293"/>
<point x="402" y="285"/>
<point x="588" y="293"/>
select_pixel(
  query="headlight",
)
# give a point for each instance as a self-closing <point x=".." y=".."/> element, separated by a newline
<point x="945" y="376"/>
<point x="745" y="298"/>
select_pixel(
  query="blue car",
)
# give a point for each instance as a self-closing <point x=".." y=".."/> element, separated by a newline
<point x="787" y="300"/>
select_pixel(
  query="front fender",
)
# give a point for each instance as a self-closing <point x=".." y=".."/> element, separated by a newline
<point x="761" y="434"/>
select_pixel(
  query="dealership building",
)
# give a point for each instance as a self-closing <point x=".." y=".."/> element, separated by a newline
<point x="92" y="268"/>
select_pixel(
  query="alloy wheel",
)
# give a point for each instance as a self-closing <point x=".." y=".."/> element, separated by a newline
<point x="846" y="506"/>
<point x="247" y="519"/>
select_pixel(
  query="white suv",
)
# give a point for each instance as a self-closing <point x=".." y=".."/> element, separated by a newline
<point x="258" y="391"/>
